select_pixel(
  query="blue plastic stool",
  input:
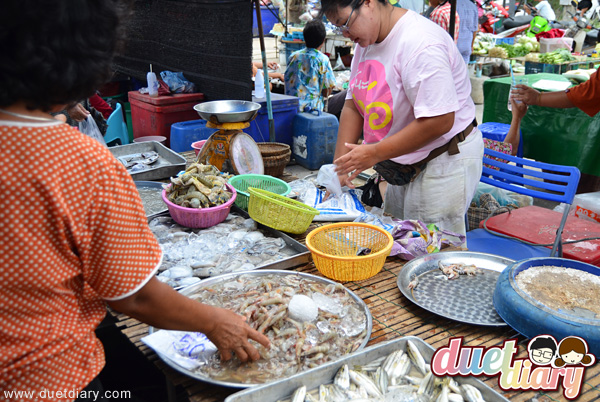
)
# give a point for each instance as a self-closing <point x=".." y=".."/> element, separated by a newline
<point x="497" y="132"/>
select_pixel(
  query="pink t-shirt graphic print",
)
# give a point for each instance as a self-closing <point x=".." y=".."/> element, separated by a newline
<point x="373" y="98"/>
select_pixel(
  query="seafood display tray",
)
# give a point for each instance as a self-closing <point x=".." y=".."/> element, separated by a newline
<point x="225" y="277"/>
<point x="302" y="255"/>
<point x="168" y="164"/>
<point x="152" y="184"/>
<point x="468" y="299"/>
<point x="283" y="389"/>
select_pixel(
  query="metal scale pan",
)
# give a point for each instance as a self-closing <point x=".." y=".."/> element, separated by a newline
<point x="467" y="299"/>
<point x="230" y="149"/>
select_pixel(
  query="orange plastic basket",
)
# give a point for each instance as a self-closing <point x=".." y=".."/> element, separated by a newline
<point x="349" y="251"/>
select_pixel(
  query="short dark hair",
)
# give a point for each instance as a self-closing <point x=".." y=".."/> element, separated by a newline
<point x="314" y="33"/>
<point x="544" y="343"/>
<point x="56" y="52"/>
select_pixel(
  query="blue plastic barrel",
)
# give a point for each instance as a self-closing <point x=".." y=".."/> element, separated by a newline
<point x="184" y="133"/>
<point x="314" y="136"/>
<point x="497" y="132"/>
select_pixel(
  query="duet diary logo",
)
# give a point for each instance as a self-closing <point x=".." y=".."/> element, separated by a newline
<point x="548" y="366"/>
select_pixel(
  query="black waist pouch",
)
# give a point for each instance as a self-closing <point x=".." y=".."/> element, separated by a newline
<point x="398" y="174"/>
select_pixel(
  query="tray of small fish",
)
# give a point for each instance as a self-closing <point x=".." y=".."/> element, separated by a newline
<point x="309" y="320"/>
<point x="396" y="370"/>
<point x="151" y="196"/>
<point x="149" y="160"/>
<point x="455" y="284"/>
<point x="237" y="244"/>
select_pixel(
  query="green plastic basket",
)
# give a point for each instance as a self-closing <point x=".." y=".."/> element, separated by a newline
<point x="279" y="212"/>
<point x="261" y="181"/>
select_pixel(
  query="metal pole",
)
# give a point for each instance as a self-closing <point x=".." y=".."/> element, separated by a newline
<point x="265" y="72"/>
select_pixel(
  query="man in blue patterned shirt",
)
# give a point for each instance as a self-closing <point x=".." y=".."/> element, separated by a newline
<point x="309" y="75"/>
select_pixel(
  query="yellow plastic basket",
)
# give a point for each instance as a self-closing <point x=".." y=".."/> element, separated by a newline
<point x="336" y="250"/>
<point x="279" y="212"/>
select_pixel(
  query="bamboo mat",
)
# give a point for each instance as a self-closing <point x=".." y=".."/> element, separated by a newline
<point x="394" y="316"/>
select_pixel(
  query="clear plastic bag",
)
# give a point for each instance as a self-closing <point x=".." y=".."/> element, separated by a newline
<point x="89" y="128"/>
<point x="177" y="82"/>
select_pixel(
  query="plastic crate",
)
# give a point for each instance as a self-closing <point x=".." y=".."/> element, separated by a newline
<point x="184" y="133"/>
<point x="285" y="108"/>
<point x="508" y="41"/>
<point x="154" y="116"/>
<point x="535" y="68"/>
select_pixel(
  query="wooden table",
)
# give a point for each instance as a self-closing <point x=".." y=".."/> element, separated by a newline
<point x="394" y="316"/>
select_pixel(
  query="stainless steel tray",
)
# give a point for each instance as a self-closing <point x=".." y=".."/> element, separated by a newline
<point x="467" y="299"/>
<point x="168" y="164"/>
<point x="301" y="253"/>
<point x="190" y="290"/>
<point x="152" y="184"/>
<point x="283" y="389"/>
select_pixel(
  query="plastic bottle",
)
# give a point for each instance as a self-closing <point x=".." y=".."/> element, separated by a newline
<point x="259" y="85"/>
<point x="152" y="83"/>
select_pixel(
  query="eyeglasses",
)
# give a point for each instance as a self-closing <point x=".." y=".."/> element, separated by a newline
<point x="539" y="353"/>
<point x="346" y="27"/>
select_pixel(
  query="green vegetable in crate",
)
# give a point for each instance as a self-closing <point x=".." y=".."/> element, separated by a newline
<point x="514" y="50"/>
<point x="558" y="56"/>
<point x="530" y="43"/>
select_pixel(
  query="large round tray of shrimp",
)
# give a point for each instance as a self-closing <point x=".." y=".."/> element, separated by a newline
<point x="395" y="370"/>
<point x="342" y="324"/>
<point x="458" y="285"/>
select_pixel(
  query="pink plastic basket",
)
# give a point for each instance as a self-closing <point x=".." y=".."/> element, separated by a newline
<point x="200" y="217"/>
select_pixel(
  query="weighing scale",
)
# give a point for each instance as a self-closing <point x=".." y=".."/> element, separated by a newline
<point x="230" y="149"/>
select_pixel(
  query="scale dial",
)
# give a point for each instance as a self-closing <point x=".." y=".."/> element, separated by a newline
<point x="245" y="155"/>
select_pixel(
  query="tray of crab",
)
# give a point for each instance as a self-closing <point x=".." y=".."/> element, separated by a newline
<point x="396" y="370"/>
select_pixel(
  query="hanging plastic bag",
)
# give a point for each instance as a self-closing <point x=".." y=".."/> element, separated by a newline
<point x="89" y="128"/>
<point x="412" y="238"/>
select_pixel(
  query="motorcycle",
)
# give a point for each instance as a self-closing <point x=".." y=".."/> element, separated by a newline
<point x="492" y="13"/>
<point x="582" y="31"/>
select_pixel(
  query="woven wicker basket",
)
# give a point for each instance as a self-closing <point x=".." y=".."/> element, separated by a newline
<point x="272" y="148"/>
<point x="276" y="156"/>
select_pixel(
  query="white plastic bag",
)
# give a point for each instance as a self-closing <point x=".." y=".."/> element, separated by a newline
<point x="328" y="178"/>
<point x="89" y="128"/>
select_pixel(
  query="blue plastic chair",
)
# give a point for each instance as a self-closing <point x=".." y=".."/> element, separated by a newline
<point x="116" y="133"/>
<point x="513" y="176"/>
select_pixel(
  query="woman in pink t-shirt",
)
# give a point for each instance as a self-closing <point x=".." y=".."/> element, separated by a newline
<point x="410" y="96"/>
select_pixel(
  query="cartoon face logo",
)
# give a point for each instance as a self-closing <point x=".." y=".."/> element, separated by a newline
<point x="542" y="350"/>
<point x="573" y="351"/>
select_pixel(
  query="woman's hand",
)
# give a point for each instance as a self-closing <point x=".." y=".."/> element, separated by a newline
<point x="272" y="65"/>
<point x="519" y="109"/>
<point x="525" y="94"/>
<point x="360" y="158"/>
<point x="230" y="334"/>
<point x="78" y="112"/>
